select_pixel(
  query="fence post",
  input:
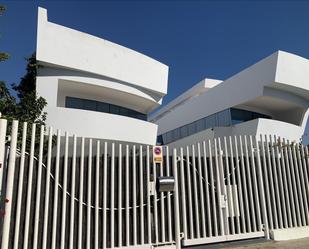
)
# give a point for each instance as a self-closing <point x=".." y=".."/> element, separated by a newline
<point x="176" y="201"/>
<point x="9" y="186"/>
<point x="3" y="124"/>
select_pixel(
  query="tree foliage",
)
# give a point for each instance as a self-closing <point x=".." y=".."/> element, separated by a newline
<point x="26" y="106"/>
<point x="3" y="56"/>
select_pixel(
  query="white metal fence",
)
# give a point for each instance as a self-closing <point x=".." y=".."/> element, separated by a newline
<point x="61" y="191"/>
<point x="72" y="192"/>
<point x="242" y="187"/>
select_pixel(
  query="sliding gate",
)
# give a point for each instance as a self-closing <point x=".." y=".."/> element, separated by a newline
<point x="221" y="191"/>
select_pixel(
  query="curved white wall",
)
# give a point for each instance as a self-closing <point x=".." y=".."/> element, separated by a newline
<point x="68" y="48"/>
<point x="102" y="125"/>
<point x="76" y="64"/>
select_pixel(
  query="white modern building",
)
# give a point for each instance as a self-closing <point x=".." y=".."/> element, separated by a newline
<point x="95" y="88"/>
<point x="270" y="97"/>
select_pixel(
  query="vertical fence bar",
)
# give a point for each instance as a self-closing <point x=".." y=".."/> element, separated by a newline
<point x="38" y="189"/>
<point x="88" y="233"/>
<point x="169" y="209"/>
<point x="298" y="215"/>
<point x="303" y="185"/>
<point x="251" y="201"/>
<point x="134" y="197"/>
<point x="207" y="205"/>
<point x="274" y="224"/>
<point x="261" y="189"/>
<point x="141" y="185"/>
<point x="9" y="186"/>
<point x="285" y="186"/>
<point x="219" y="173"/>
<point x="72" y="207"/>
<point x="176" y="201"/>
<point x="162" y="206"/>
<point x="289" y="178"/>
<point x="254" y="153"/>
<point x="104" y="216"/>
<point x="155" y="205"/>
<point x="64" y="191"/>
<point x="240" y="190"/>
<point x="20" y="185"/>
<point x="189" y="193"/>
<point x="234" y="190"/>
<point x="29" y="188"/>
<point x="201" y="189"/>
<point x="196" y="206"/>
<point x="299" y="191"/>
<point x="148" y="196"/>
<point x="266" y="180"/>
<point x="112" y="225"/>
<point x="212" y="189"/>
<point x="244" y="180"/>
<point x="275" y="177"/>
<point x="81" y="194"/>
<point x="228" y="187"/>
<point x="278" y="157"/>
<point x="183" y="195"/>
<point x="55" y="206"/>
<point x="120" y="189"/>
<point x="97" y="200"/>
<point x="3" y="124"/>
<point x="127" y="198"/>
<point x="306" y="176"/>
<point x="222" y="189"/>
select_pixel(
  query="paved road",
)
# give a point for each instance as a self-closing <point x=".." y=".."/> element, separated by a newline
<point x="260" y="244"/>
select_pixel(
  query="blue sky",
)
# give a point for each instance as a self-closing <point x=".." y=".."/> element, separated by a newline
<point x="196" y="39"/>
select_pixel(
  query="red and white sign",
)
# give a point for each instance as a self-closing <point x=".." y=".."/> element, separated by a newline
<point x="157" y="154"/>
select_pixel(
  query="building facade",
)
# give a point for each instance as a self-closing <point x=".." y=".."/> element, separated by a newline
<point x="270" y="97"/>
<point x="96" y="88"/>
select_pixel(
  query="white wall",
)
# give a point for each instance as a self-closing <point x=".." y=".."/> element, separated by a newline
<point x="240" y="88"/>
<point x="93" y="124"/>
<point x="68" y="48"/>
<point x="77" y="64"/>
<point x="276" y="86"/>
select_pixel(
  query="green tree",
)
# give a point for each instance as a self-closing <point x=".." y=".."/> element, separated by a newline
<point x="27" y="106"/>
<point x="3" y="56"/>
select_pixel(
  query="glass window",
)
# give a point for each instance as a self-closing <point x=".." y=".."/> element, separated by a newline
<point x="224" y="118"/>
<point x="210" y="121"/>
<point x="86" y="104"/>
<point x="160" y="140"/>
<point x="89" y="105"/>
<point x="114" y="109"/>
<point x="169" y="136"/>
<point x="125" y="112"/>
<point x="102" y="107"/>
<point x="239" y="116"/>
<point x="183" y="131"/>
<point x="191" y="128"/>
<point x="200" y="125"/>
<point x="176" y="134"/>
<point x="73" y="103"/>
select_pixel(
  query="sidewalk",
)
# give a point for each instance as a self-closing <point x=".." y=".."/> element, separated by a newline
<point x="291" y="244"/>
<point x="259" y="244"/>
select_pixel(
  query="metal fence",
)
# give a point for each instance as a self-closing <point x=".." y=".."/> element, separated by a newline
<point x="72" y="192"/>
<point x="61" y="191"/>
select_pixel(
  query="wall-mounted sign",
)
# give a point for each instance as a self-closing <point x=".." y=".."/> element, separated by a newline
<point x="157" y="154"/>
